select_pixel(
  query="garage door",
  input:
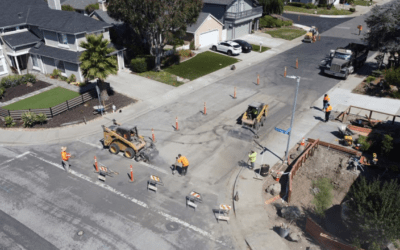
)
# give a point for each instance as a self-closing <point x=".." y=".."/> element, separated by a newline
<point x="208" y="38"/>
<point x="242" y="29"/>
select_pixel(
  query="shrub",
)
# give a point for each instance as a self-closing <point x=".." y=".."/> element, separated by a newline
<point x="67" y="8"/>
<point x="352" y="9"/>
<point x="287" y="23"/>
<point x="268" y="21"/>
<point x="387" y="144"/>
<point x="139" y="65"/>
<point x="9" y="121"/>
<point x="41" y="118"/>
<point x="28" y="78"/>
<point x="28" y="119"/>
<point x="91" y="7"/>
<point x="142" y="63"/>
<point x="323" y="199"/>
<point x="395" y="94"/>
<point x="2" y="90"/>
<point x="310" y="6"/>
<point x="191" y="46"/>
<point x="363" y="141"/>
<point x="56" y="73"/>
<point x="63" y="78"/>
<point x="322" y="5"/>
<point x="10" y="81"/>
<point x="72" y="78"/>
<point x="370" y="79"/>
<point x="392" y="76"/>
<point x="178" y="42"/>
<point x="171" y="60"/>
<point x="296" y="4"/>
<point x="185" y="53"/>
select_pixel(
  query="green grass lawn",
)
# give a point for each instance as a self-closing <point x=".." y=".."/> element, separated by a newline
<point x="363" y="2"/>
<point x="286" y="33"/>
<point x="257" y="48"/>
<point x="200" y="65"/>
<point x="162" y="76"/>
<point x="43" y="100"/>
<point x="320" y="11"/>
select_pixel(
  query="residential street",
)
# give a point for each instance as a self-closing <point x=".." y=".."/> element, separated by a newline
<point x="44" y="207"/>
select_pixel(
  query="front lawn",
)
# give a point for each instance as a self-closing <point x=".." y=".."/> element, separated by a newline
<point x="363" y="2"/>
<point x="257" y="48"/>
<point x="320" y="11"/>
<point x="200" y="65"/>
<point x="44" y="100"/>
<point x="286" y="33"/>
<point x="162" y="76"/>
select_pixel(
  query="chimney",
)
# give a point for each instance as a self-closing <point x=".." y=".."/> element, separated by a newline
<point x="54" y="4"/>
<point x="102" y="4"/>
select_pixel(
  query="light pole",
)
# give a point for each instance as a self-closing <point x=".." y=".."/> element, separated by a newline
<point x="291" y="122"/>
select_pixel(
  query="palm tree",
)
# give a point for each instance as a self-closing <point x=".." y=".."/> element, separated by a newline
<point x="95" y="62"/>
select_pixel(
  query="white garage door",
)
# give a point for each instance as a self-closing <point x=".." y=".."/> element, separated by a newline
<point x="208" y="38"/>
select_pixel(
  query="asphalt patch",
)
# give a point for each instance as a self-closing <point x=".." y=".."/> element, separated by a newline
<point x="172" y="226"/>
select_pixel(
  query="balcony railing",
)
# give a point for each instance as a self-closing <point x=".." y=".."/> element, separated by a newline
<point x="243" y="14"/>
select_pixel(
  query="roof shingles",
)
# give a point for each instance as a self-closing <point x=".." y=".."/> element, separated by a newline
<point x="56" y="53"/>
<point x="20" y="39"/>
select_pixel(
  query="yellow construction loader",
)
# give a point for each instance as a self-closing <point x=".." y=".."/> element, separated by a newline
<point x="311" y="35"/>
<point x="255" y="116"/>
<point x="127" y="140"/>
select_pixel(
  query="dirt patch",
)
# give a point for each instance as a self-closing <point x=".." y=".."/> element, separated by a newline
<point x="81" y="112"/>
<point x="374" y="88"/>
<point x="326" y="163"/>
<point x="22" y="89"/>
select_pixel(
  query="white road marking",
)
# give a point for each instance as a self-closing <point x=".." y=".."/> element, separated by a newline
<point x="153" y="167"/>
<point x="16" y="157"/>
<point x="91" y="144"/>
<point x="138" y="202"/>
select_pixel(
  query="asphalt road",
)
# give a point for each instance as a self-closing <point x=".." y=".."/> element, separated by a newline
<point x="42" y="203"/>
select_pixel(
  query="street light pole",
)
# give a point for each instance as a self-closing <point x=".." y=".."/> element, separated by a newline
<point x="291" y="122"/>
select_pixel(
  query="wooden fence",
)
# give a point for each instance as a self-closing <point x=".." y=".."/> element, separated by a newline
<point x="309" y="151"/>
<point x="53" y="111"/>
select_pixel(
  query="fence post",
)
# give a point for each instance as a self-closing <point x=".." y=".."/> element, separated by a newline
<point x="51" y="112"/>
<point x="67" y="104"/>
<point x="9" y="114"/>
<point x="370" y="115"/>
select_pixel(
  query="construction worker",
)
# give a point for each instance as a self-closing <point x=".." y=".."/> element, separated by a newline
<point x="65" y="158"/>
<point x="359" y="29"/>
<point x="328" y="112"/>
<point x="325" y="101"/>
<point x="185" y="163"/>
<point x="252" y="158"/>
<point x="374" y="158"/>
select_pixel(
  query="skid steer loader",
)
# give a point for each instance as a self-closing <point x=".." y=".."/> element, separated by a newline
<point x="127" y="140"/>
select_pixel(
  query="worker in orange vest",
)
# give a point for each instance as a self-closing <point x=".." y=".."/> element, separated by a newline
<point x="325" y="102"/>
<point x="185" y="163"/>
<point x="359" y="29"/>
<point x="65" y="158"/>
<point x="328" y="112"/>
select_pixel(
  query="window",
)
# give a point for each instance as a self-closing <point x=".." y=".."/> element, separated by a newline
<point x="60" y="66"/>
<point x="35" y="61"/>
<point x="62" y="38"/>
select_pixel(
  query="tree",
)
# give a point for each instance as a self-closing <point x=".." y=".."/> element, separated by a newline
<point x="272" y="6"/>
<point x="95" y="60"/>
<point x="387" y="144"/>
<point x="156" y="21"/>
<point x="384" y="33"/>
<point x="374" y="211"/>
<point x="67" y="8"/>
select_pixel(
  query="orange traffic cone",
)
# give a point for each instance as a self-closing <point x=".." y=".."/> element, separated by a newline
<point x="303" y="142"/>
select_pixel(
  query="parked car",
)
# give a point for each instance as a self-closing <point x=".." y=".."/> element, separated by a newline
<point x="245" y="45"/>
<point x="229" y="47"/>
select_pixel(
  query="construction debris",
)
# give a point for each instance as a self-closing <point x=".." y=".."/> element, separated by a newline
<point x="274" y="189"/>
<point x="294" y="237"/>
<point x="291" y="212"/>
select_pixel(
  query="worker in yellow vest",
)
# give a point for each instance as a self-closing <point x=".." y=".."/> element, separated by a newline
<point x="65" y="158"/>
<point x="328" y="112"/>
<point x="252" y="158"/>
<point x="185" y="163"/>
<point x="374" y="158"/>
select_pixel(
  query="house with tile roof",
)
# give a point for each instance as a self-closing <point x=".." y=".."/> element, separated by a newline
<point x="37" y="38"/>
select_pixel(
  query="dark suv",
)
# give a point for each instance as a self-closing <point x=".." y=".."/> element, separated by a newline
<point x="246" y="47"/>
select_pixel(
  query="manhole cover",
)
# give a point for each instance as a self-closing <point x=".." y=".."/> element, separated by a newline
<point x="80" y="233"/>
<point x="172" y="226"/>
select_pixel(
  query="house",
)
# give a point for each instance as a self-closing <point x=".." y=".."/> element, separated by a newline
<point x="238" y="16"/>
<point x="206" y="31"/>
<point x="79" y="5"/>
<point x="39" y="39"/>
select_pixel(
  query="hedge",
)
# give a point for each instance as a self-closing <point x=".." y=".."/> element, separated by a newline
<point x="14" y="80"/>
<point x="142" y="63"/>
<point x="271" y="22"/>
